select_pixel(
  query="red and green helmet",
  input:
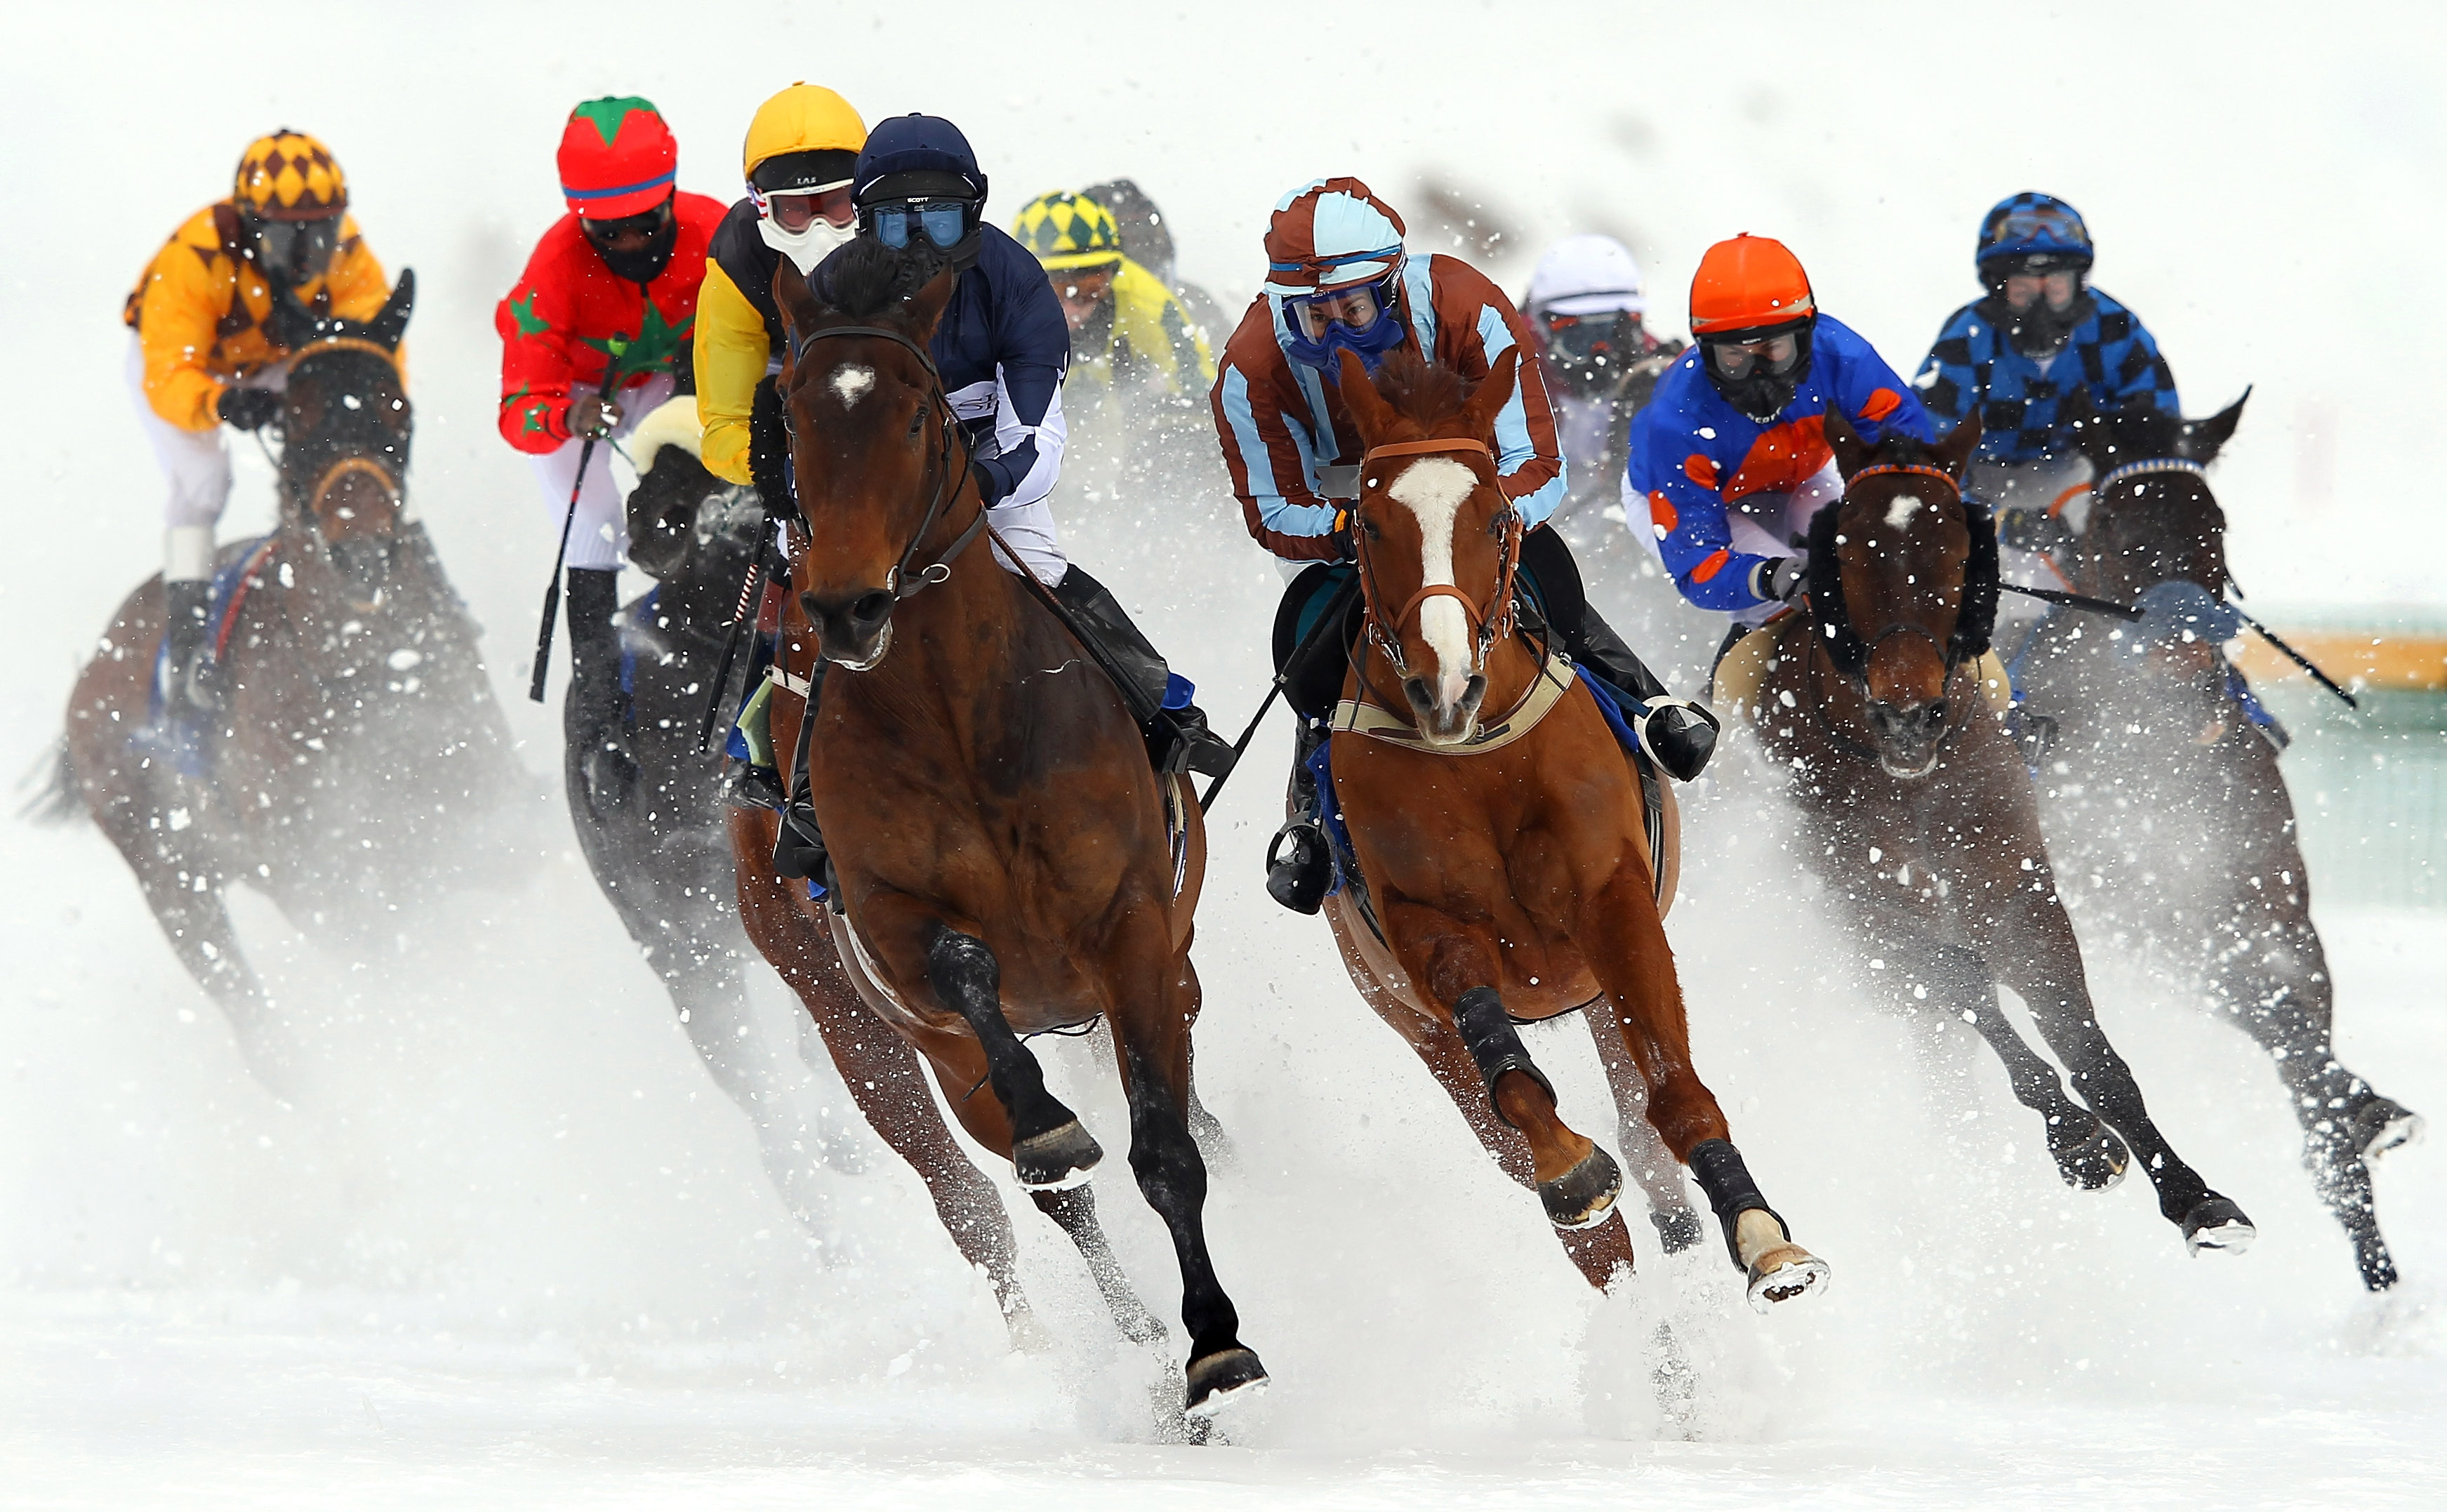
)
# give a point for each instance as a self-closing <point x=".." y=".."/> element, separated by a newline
<point x="617" y="158"/>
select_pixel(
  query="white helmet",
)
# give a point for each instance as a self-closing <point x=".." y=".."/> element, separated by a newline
<point x="1586" y="275"/>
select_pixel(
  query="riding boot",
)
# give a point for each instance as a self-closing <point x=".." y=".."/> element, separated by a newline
<point x="1679" y="736"/>
<point x="596" y="719"/>
<point x="1177" y="737"/>
<point x="1298" y="878"/>
<point x="194" y="685"/>
<point x="798" y="843"/>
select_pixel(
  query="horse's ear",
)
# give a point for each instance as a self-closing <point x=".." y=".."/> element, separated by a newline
<point x="926" y="306"/>
<point x="1369" y="414"/>
<point x="1953" y="452"/>
<point x="1852" y="452"/>
<point x="1493" y="393"/>
<point x="792" y="296"/>
<point x="390" y="323"/>
<point x="2199" y="440"/>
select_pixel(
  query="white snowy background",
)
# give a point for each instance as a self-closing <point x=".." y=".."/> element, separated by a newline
<point x="513" y="1249"/>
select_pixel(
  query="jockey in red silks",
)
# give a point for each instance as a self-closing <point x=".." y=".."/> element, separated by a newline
<point x="1730" y="459"/>
<point x="595" y="336"/>
<point x="1339" y="279"/>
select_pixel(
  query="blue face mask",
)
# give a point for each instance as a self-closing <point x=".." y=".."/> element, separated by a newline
<point x="1370" y="346"/>
<point x="942" y="222"/>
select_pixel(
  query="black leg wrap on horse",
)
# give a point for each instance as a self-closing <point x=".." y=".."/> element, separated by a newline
<point x="1494" y="1043"/>
<point x="1730" y="1191"/>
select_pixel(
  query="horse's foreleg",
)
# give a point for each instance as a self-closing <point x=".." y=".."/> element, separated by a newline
<point x="1652" y="1164"/>
<point x="2032" y="947"/>
<point x="1578" y="1181"/>
<point x="877" y="1068"/>
<point x="1155" y="1001"/>
<point x="1048" y="1147"/>
<point x="1623" y="940"/>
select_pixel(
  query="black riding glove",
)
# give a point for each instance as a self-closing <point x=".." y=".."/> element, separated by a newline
<point x="768" y="450"/>
<point x="247" y="408"/>
<point x="1345" y="549"/>
<point x="1777" y="579"/>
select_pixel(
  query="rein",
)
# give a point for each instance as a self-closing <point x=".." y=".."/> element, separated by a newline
<point x="1489" y="625"/>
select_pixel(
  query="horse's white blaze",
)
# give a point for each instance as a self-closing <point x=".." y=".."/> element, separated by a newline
<point x="1432" y="489"/>
<point x="851" y="382"/>
<point x="1899" y="513"/>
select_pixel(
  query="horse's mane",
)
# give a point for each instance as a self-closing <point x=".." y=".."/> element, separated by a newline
<point x="1422" y="392"/>
<point x="867" y="278"/>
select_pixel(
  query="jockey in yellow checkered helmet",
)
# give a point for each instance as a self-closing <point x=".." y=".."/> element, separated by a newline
<point x="1128" y="332"/>
<point x="210" y="346"/>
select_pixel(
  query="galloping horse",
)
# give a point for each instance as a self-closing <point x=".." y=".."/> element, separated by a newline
<point x="359" y="759"/>
<point x="1007" y="861"/>
<point x="1504" y="872"/>
<point x="1919" y="813"/>
<point x="664" y="861"/>
<point x="2164" y="801"/>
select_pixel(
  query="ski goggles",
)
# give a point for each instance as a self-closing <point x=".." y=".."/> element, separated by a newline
<point x="1354" y="309"/>
<point x="2041" y="222"/>
<point x="942" y="222"/>
<point x="644" y="223"/>
<point x="298" y="247"/>
<point x="1776" y="355"/>
<point x="1585" y="338"/>
<point x="795" y="210"/>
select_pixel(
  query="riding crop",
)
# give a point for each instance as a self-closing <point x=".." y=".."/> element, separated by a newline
<point x="1335" y="609"/>
<point x="552" y="589"/>
<point x="2127" y="612"/>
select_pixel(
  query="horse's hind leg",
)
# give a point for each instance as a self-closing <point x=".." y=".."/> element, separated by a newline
<point x="1152" y="1034"/>
<point x="1623" y="940"/>
<point x="1074" y="1210"/>
<point x="1652" y="1164"/>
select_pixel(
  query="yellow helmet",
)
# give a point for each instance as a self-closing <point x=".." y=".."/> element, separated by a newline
<point x="809" y="124"/>
<point x="289" y="176"/>
<point x="1069" y="231"/>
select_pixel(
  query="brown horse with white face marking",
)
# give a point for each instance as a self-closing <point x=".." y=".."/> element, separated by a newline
<point x="1917" y="812"/>
<point x="358" y="759"/>
<point x="2164" y="799"/>
<point x="1007" y="861"/>
<point x="1504" y="868"/>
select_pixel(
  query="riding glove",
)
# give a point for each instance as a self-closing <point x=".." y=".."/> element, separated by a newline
<point x="247" y="408"/>
<point x="1777" y="579"/>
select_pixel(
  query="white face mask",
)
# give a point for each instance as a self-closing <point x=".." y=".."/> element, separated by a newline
<point x="806" y="248"/>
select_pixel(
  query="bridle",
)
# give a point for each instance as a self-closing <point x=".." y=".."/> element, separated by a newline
<point x="1489" y="625"/>
<point x="901" y="583"/>
<point x="386" y="476"/>
<point x="1831" y="619"/>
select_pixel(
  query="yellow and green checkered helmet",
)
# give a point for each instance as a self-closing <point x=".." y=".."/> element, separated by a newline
<point x="289" y="176"/>
<point x="1069" y="231"/>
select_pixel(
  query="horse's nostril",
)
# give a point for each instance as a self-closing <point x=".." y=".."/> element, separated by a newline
<point x="871" y="609"/>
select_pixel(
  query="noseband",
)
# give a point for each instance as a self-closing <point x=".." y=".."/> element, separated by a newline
<point x="1487" y="625"/>
<point x="382" y="473"/>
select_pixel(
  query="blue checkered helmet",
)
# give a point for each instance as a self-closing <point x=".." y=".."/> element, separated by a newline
<point x="2030" y="225"/>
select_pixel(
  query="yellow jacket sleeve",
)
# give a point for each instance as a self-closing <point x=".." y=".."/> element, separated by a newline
<point x="1156" y="326"/>
<point x="356" y="281"/>
<point x="731" y="354"/>
<point x="183" y="296"/>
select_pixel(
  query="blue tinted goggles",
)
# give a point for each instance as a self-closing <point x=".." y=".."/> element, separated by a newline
<point x="942" y="222"/>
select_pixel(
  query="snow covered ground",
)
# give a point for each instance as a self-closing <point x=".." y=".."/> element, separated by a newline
<point x="513" y="1248"/>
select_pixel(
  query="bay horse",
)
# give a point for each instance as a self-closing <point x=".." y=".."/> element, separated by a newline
<point x="664" y="862"/>
<point x="1917" y="810"/>
<point x="2165" y="799"/>
<point x="1003" y="862"/>
<point x="1504" y="866"/>
<point x="358" y="761"/>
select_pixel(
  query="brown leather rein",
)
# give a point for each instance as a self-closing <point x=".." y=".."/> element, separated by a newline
<point x="1488" y="624"/>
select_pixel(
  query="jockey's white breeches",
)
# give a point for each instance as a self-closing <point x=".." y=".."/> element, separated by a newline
<point x="195" y="463"/>
<point x="1028" y="530"/>
<point x="598" y="531"/>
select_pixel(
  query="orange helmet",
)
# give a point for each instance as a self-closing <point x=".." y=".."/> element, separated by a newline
<point x="1747" y="283"/>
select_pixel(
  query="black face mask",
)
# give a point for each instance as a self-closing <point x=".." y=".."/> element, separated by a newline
<point x="2039" y="332"/>
<point x="642" y="265"/>
<point x="1761" y="395"/>
<point x="1591" y="354"/>
<point x="290" y="253"/>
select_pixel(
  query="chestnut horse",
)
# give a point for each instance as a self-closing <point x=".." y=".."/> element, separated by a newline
<point x="1002" y="858"/>
<point x="358" y="759"/>
<point x="1504" y="867"/>
<point x="2165" y="802"/>
<point x="1917" y="812"/>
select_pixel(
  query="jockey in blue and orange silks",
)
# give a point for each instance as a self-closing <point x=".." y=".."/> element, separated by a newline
<point x="1730" y="459"/>
<point x="1339" y="280"/>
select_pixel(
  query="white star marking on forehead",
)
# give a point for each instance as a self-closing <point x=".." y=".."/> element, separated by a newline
<point x="1899" y="513"/>
<point x="850" y="384"/>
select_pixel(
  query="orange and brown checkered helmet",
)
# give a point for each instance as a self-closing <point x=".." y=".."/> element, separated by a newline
<point x="290" y="176"/>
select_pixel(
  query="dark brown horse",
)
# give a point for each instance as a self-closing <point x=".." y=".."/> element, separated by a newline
<point x="1004" y="863"/>
<point x="2165" y="803"/>
<point x="1917" y="812"/>
<point x="358" y="759"/>
<point x="1505" y="873"/>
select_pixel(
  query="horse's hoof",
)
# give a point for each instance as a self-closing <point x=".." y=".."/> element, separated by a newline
<point x="1057" y="1160"/>
<point x="1584" y="1197"/>
<point x="2384" y="1124"/>
<point x="1677" y="1230"/>
<point x="2092" y="1165"/>
<point x="1785" y="1273"/>
<point x="2216" y="1223"/>
<point x="1220" y="1379"/>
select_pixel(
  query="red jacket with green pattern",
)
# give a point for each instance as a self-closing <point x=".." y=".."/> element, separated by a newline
<point x="569" y="320"/>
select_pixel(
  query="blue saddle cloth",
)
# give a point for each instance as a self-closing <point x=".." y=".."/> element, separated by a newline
<point x="184" y="739"/>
